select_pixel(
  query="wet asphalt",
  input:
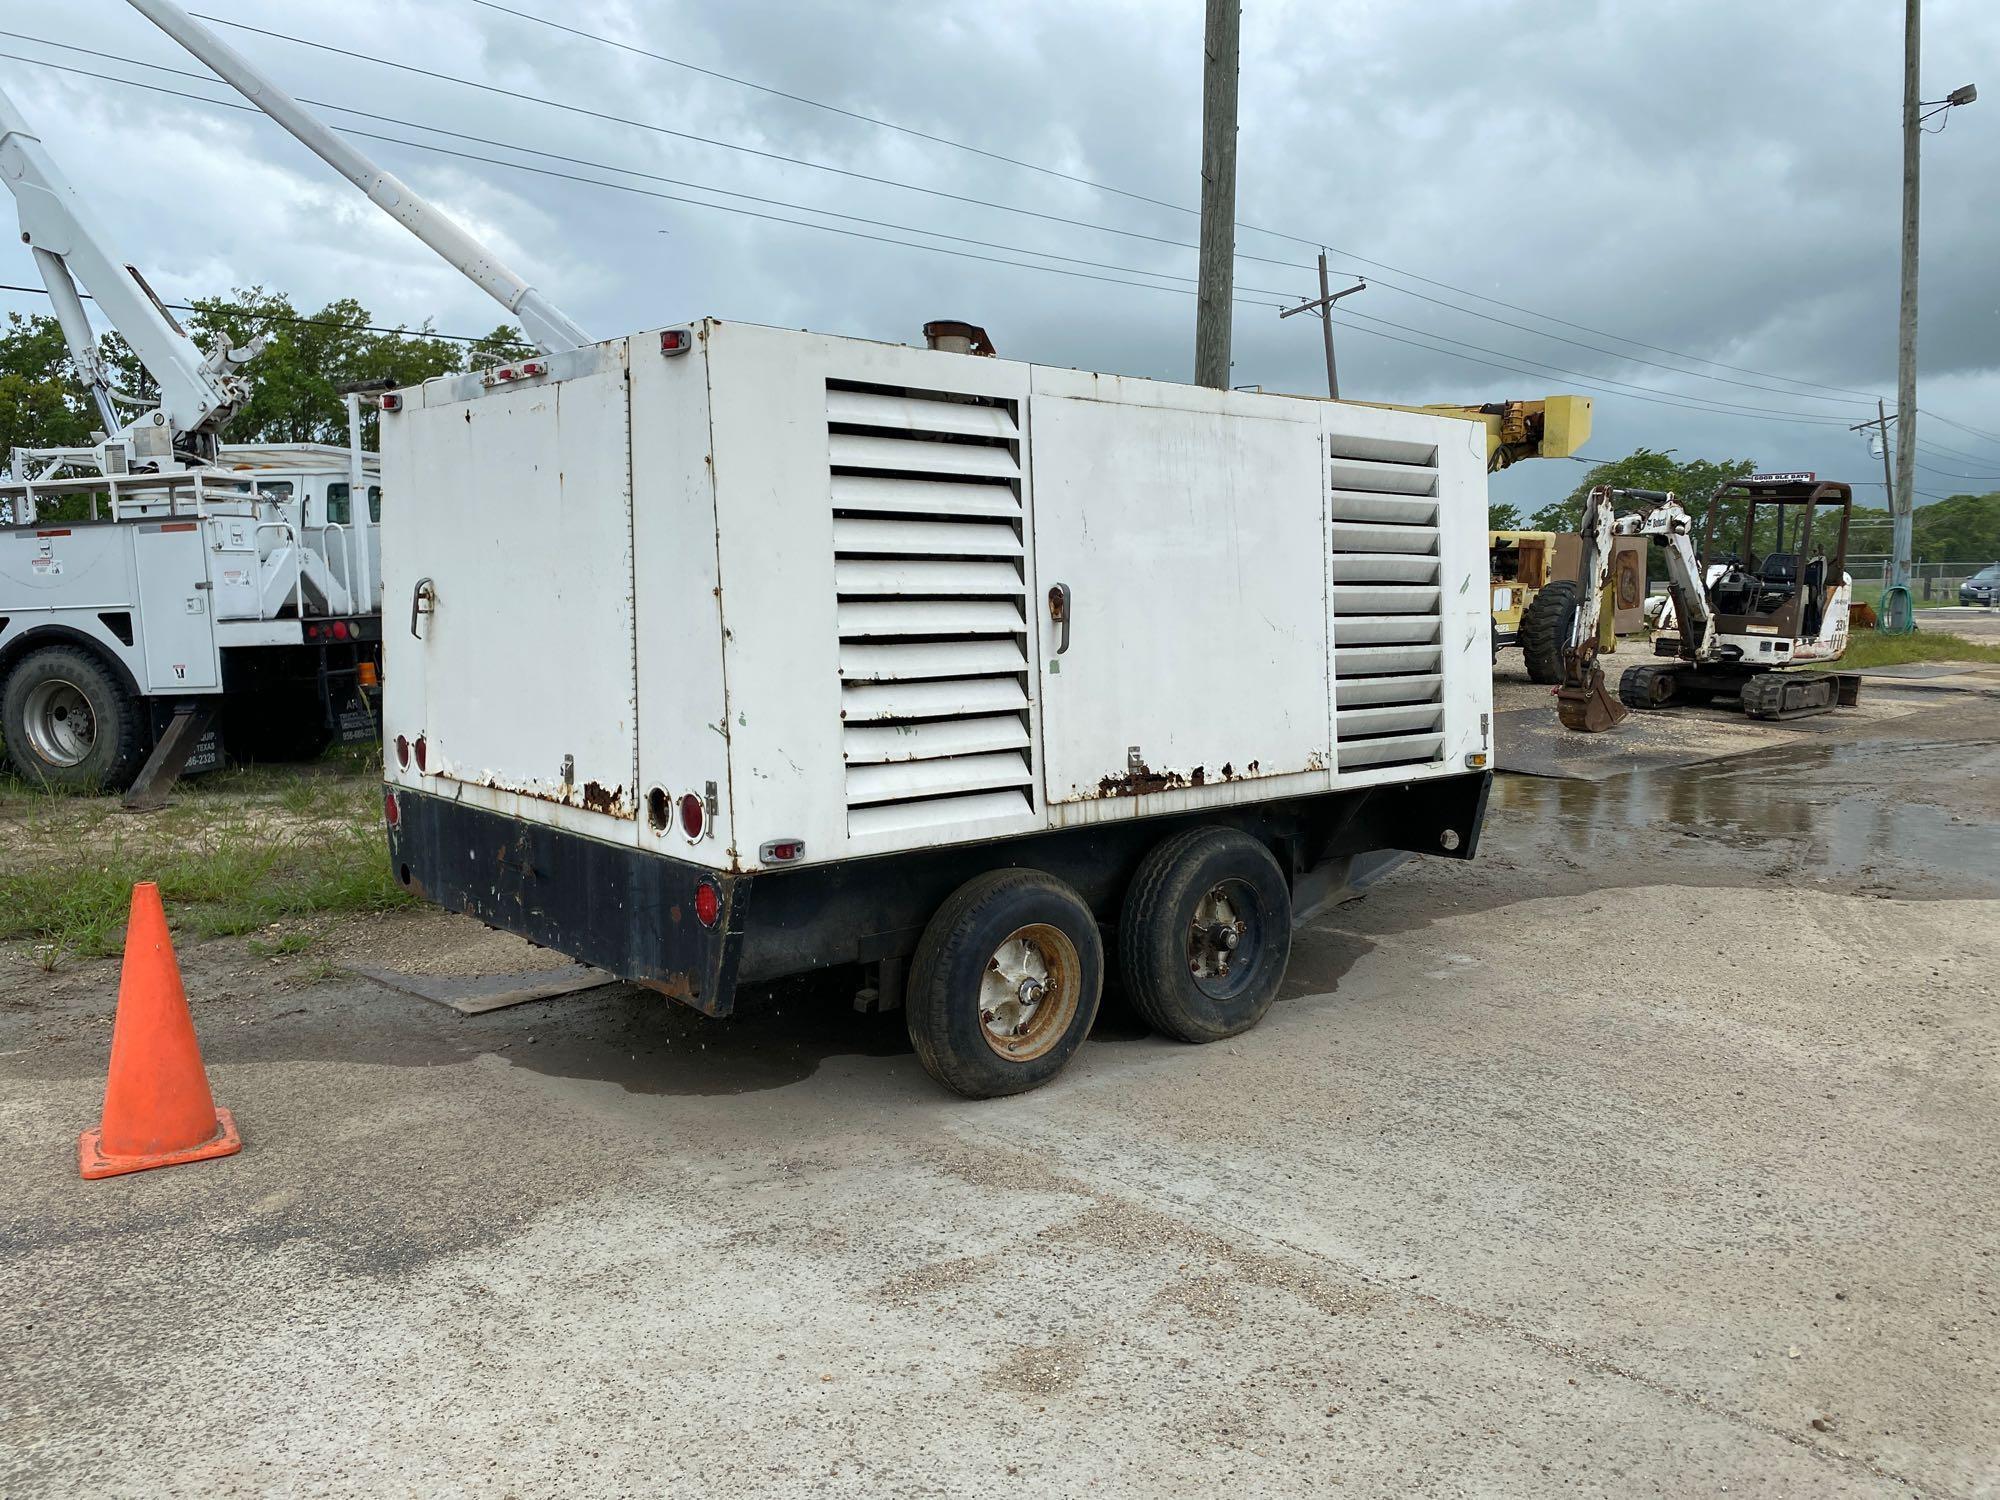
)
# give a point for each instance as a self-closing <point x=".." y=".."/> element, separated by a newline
<point x="1650" y="1152"/>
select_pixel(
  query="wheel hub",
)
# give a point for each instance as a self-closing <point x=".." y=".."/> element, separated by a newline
<point x="1216" y="934"/>
<point x="1028" y="994"/>
<point x="61" y="728"/>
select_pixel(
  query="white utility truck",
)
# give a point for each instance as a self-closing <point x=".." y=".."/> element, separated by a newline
<point x="719" y="653"/>
<point x="199" y="576"/>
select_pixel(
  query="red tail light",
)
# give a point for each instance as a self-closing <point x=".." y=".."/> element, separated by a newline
<point x="392" y="402"/>
<point x="340" y="631"/>
<point x="419" y="747"/>
<point x="391" y="813"/>
<point x="694" y="816"/>
<point x="707" y="904"/>
<point x="676" y="341"/>
<point x="402" y="750"/>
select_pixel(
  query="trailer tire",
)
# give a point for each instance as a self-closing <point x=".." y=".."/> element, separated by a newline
<point x="1203" y="901"/>
<point x="1005" y="984"/>
<point x="70" y="723"/>
<point x="1546" y="626"/>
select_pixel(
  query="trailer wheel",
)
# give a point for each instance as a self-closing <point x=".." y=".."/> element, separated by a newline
<point x="1206" y="934"/>
<point x="1546" y="626"/>
<point x="1005" y="984"/>
<point x="69" y="722"/>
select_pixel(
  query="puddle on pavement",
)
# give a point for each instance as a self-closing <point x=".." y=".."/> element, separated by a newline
<point x="1831" y="809"/>
<point x="779" y="1034"/>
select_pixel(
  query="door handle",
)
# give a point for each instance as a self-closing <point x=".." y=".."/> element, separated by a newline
<point x="1059" y="613"/>
<point x="423" y="601"/>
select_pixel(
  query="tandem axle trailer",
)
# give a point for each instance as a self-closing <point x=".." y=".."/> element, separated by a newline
<point x="775" y="651"/>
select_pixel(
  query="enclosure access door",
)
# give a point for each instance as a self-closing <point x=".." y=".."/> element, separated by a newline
<point x="170" y="559"/>
<point x="508" y="590"/>
<point x="1181" y="534"/>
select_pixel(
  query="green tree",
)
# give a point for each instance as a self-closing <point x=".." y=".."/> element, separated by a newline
<point x="1961" y="529"/>
<point x="306" y="359"/>
<point x="1501" y="517"/>
<point x="41" y="403"/>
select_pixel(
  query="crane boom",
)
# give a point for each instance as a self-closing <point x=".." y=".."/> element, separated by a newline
<point x="198" y="392"/>
<point x="548" y="325"/>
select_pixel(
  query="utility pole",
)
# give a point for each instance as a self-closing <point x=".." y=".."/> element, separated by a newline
<point x="1322" y="305"/>
<point x="1881" y="425"/>
<point x="1902" y="499"/>
<point x="1214" y="298"/>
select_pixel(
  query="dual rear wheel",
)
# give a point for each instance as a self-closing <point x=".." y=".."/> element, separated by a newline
<point x="1008" y="977"/>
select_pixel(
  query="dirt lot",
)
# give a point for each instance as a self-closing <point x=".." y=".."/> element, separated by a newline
<point x="1652" y="1152"/>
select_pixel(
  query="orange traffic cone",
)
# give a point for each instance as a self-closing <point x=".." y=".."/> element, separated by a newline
<point x="157" y="1108"/>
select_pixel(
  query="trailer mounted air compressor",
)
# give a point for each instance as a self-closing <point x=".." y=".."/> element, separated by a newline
<point x="725" y="652"/>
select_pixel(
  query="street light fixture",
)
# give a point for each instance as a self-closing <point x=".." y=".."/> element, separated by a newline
<point x="1965" y="94"/>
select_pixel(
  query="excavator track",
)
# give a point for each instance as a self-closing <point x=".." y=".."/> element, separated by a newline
<point x="1647" y="687"/>
<point x="1797" y="695"/>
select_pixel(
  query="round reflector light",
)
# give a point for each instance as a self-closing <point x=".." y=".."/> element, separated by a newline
<point x="694" y="815"/>
<point x="707" y="904"/>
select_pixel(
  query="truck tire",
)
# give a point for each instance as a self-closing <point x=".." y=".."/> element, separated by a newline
<point x="69" y="722"/>
<point x="1545" y="630"/>
<point x="1005" y="984"/>
<point x="1205" y="934"/>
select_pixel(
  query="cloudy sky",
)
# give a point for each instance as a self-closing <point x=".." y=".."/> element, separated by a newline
<point x="1689" y="210"/>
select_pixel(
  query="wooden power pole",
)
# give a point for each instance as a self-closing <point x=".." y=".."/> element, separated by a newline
<point x="1322" y="305"/>
<point x="1215" y="296"/>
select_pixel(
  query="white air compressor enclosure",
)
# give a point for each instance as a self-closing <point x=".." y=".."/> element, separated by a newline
<point x="746" y="596"/>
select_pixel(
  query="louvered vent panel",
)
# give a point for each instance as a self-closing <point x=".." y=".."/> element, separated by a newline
<point x="1388" y="688"/>
<point x="933" y="610"/>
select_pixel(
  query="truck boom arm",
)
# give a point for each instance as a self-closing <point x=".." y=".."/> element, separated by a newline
<point x="548" y="325"/>
<point x="198" y="392"/>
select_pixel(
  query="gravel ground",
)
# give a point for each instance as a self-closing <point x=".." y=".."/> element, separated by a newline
<point x="1652" y="1152"/>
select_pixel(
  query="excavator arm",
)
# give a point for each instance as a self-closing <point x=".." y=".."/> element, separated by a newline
<point x="1582" y="702"/>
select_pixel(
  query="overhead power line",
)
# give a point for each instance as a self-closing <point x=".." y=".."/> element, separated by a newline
<point x="1937" y="449"/>
<point x="859" y="218"/>
<point x="1840" y="392"/>
<point x="1977" y="432"/>
<point x="287" y="318"/>
<point x="1653" y="394"/>
<point x="1308" y="241"/>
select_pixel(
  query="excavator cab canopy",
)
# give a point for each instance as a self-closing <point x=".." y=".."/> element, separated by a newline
<point x="1780" y="556"/>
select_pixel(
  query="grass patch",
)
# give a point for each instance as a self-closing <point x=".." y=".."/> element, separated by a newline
<point x="225" y="864"/>
<point x="1871" y="595"/>
<point x="1869" y="648"/>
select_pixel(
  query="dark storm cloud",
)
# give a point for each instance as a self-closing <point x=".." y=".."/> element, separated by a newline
<point x="1719" y="179"/>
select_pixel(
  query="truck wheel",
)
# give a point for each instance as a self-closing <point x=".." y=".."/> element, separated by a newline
<point x="69" y="722"/>
<point x="1545" y="630"/>
<point x="1206" y="934"/>
<point x="1005" y="984"/>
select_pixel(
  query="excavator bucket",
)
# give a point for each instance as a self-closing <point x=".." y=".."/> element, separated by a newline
<point x="1588" y="708"/>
